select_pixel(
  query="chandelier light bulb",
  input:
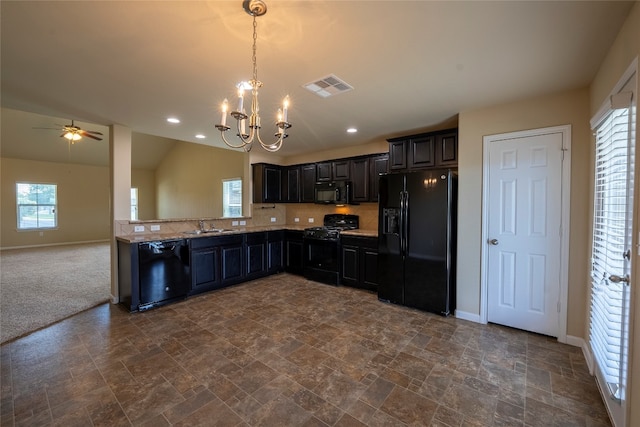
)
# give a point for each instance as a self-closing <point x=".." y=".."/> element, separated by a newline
<point x="225" y="108"/>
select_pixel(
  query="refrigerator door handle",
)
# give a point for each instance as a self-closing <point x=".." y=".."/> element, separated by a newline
<point x="401" y="230"/>
<point x="404" y="222"/>
<point x="405" y="231"/>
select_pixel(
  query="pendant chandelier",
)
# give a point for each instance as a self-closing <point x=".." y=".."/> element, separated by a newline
<point x="245" y="140"/>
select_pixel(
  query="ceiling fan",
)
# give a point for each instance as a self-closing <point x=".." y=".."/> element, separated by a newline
<point x="73" y="133"/>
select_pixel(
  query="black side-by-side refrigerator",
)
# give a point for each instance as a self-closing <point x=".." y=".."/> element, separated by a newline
<point x="417" y="240"/>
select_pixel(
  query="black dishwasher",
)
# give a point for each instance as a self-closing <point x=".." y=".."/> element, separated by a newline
<point x="164" y="272"/>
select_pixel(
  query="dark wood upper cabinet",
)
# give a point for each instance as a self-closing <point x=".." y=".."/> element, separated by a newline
<point x="378" y="165"/>
<point x="397" y="155"/>
<point x="291" y="184"/>
<point x="447" y="149"/>
<point x="332" y="170"/>
<point x="340" y="169"/>
<point x="359" y="179"/>
<point x="423" y="151"/>
<point x="323" y="171"/>
<point x="267" y="183"/>
<point x="307" y="187"/>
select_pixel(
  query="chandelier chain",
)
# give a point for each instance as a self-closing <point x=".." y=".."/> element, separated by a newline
<point x="253" y="58"/>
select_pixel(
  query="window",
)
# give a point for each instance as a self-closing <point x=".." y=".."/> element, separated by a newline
<point x="232" y="198"/>
<point x="134" y="203"/>
<point x="611" y="254"/>
<point x="37" y="206"/>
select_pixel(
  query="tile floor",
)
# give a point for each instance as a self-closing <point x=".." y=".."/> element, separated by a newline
<point x="284" y="351"/>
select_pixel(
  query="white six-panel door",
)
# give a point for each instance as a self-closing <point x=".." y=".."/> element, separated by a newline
<point x="523" y="247"/>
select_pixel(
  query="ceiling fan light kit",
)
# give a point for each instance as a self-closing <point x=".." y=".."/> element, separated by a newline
<point x="254" y="8"/>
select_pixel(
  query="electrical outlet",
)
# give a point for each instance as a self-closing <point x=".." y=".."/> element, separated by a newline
<point x="296" y="219"/>
<point x="273" y="219"/>
<point x="138" y="228"/>
<point x="155" y="228"/>
<point x="311" y="220"/>
<point x="234" y="223"/>
<point x="243" y="222"/>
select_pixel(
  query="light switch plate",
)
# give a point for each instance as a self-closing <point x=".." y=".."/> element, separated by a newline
<point x="311" y="220"/>
<point x="234" y="223"/>
<point x="273" y="219"/>
<point x="296" y="219"/>
<point x="243" y="222"/>
<point x="155" y="228"/>
<point x="138" y="228"/>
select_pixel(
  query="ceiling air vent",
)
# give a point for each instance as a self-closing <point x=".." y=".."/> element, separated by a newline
<point x="328" y="86"/>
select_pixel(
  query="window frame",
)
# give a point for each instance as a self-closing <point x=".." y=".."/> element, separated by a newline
<point x="52" y="206"/>
<point x="225" y="196"/>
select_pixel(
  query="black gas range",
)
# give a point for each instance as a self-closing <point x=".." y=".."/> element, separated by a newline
<point x="333" y="225"/>
<point x="322" y="248"/>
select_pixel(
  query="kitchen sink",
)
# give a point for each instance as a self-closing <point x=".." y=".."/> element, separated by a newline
<point x="210" y="231"/>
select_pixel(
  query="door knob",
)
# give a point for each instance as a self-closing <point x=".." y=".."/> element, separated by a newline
<point x="493" y="242"/>
<point x="618" y="279"/>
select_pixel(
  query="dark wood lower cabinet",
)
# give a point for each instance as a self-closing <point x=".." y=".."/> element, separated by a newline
<point x="205" y="269"/>
<point x="294" y="252"/>
<point x="256" y="252"/>
<point x="275" y="252"/>
<point x="359" y="262"/>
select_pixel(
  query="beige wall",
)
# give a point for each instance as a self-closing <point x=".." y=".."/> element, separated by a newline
<point x="83" y="202"/>
<point x="567" y="108"/>
<point x="623" y="51"/>
<point x="145" y="181"/>
<point x="189" y="180"/>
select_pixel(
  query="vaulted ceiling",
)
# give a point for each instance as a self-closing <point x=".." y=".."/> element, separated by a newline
<point x="412" y="64"/>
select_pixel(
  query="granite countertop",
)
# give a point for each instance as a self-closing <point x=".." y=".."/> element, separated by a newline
<point x="232" y="231"/>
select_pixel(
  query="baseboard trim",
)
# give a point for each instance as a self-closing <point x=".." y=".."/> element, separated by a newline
<point x="472" y="317"/>
<point x="55" y="244"/>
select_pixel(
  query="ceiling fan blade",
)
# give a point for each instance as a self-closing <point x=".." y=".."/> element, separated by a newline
<point x="95" y="132"/>
<point x="88" y="135"/>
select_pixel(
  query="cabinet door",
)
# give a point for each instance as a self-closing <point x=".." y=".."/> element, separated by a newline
<point x="340" y="169"/>
<point x="308" y="183"/>
<point x="292" y="185"/>
<point x="369" y="268"/>
<point x="350" y="266"/>
<point x="379" y="165"/>
<point x="397" y="155"/>
<point x="447" y="149"/>
<point x="267" y="183"/>
<point x="323" y="171"/>
<point x="256" y="259"/>
<point x="294" y="256"/>
<point x="360" y="180"/>
<point x="421" y="152"/>
<point x="275" y="250"/>
<point x="204" y="270"/>
<point x="231" y="264"/>
<point x="273" y="184"/>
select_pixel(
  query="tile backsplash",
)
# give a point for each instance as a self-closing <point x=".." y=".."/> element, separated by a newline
<point x="263" y="215"/>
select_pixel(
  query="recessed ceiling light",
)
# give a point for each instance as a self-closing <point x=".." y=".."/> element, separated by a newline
<point x="173" y="120"/>
<point x="200" y="136"/>
<point x="352" y="130"/>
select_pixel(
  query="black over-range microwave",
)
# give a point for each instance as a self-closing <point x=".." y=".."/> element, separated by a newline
<point x="333" y="192"/>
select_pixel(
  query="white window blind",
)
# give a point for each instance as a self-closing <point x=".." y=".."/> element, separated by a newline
<point x="611" y="241"/>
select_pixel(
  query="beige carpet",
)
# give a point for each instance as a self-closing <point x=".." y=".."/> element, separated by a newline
<point x="40" y="286"/>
